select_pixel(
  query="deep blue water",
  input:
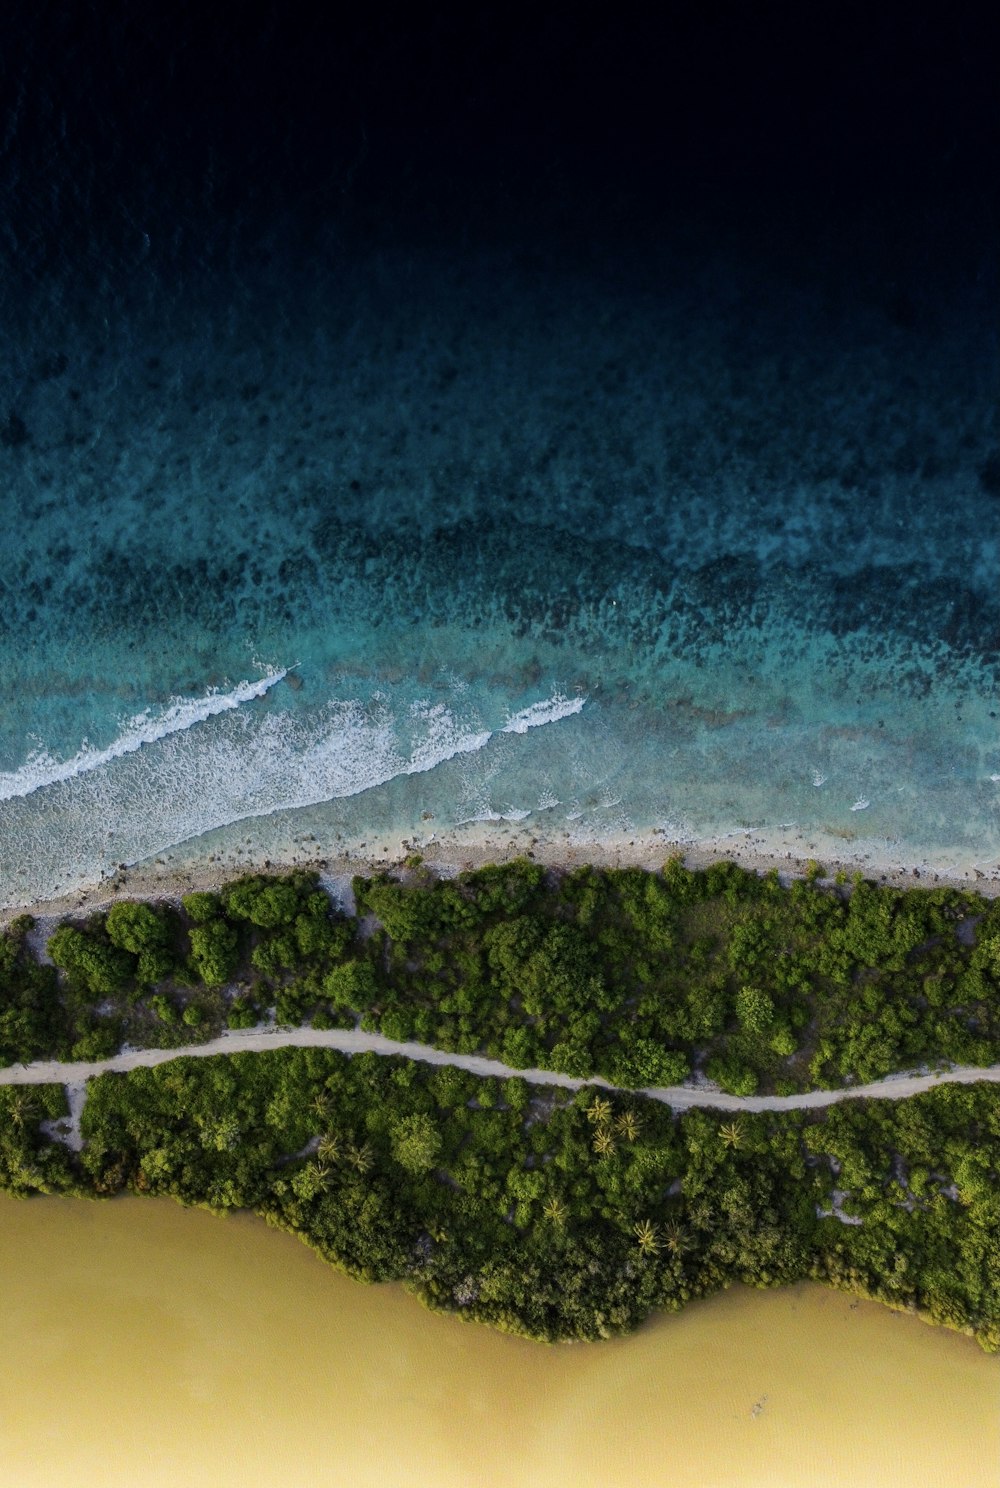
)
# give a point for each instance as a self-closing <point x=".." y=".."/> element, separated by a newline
<point x="544" y="509"/>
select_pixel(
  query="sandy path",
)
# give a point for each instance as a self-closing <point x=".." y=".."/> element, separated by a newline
<point x="355" y="1041"/>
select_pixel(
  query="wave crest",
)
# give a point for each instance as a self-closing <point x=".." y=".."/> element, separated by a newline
<point x="41" y="769"/>
<point x="127" y="803"/>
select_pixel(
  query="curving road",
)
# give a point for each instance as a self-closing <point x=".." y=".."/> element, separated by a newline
<point x="355" y="1041"/>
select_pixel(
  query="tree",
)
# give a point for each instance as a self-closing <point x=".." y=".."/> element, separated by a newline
<point x="360" y="1156"/>
<point x="628" y="1125"/>
<point x="200" y="908"/>
<point x="416" y="1143"/>
<point x="732" y="1134"/>
<point x="676" y="1238"/>
<point x="265" y="902"/>
<point x="351" y="986"/>
<point x="310" y="1181"/>
<point x="214" y="952"/>
<point x="141" y="930"/>
<point x="328" y="1150"/>
<point x="555" y="1212"/>
<point x="21" y="1106"/>
<point x="604" y="1143"/>
<point x="645" y="1234"/>
<point x="103" y="969"/>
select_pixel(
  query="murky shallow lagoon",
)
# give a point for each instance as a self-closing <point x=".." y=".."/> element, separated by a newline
<point x="144" y="1344"/>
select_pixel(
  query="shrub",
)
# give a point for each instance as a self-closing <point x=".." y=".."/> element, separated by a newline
<point x="214" y="952"/>
<point x="202" y="907"/>
<point x="351" y="986"/>
<point x="645" y="1064"/>
<point x="783" y="1041"/>
<point x="104" y="970"/>
<point x="136" y="928"/>
<point x="243" y="1013"/>
<point x="265" y="902"/>
<point x="755" y="1010"/>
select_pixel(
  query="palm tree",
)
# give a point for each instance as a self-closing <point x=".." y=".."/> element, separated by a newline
<point x="732" y="1135"/>
<point x="629" y="1125"/>
<point x="599" y="1111"/>
<point x="556" y="1212"/>
<point x="359" y="1157"/>
<point x="645" y="1234"/>
<point x="604" y="1142"/>
<point x="329" y="1148"/>
<point x="675" y="1238"/>
<point x="321" y="1105"/>
<point x="21" y="1105"/>
<point x="321" y="1175"/>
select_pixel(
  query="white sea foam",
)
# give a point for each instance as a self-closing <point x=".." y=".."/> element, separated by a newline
<point x="41" y="769"/>
<point x="238" y="764"/>
<point x="549" y="711"/>
<point x="861" y="804"/>
<point x="512" y="814"/>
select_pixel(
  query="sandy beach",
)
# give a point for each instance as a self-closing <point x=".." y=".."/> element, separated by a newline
<point x="180" y="870"/>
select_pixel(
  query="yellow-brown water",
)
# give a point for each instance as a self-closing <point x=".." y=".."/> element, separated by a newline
<point x="143" y="1344"/>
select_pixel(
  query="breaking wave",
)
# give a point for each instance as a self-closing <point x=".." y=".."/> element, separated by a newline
<point x="129" y="802"/>
<point x="41" y="769"/>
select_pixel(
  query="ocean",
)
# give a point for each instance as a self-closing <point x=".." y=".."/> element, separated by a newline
<point x="329" y="527"/>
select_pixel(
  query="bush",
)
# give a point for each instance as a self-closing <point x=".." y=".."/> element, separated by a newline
<point x="416" y="1143"/>
<point x="351" y="986"/>
<point x="104" y="970"/>
<point x="200" y="908"/>
<point x="264" y="902"/>
<point x="214" y="952"/>
<point x="137" y="928"/>
<point x="755" y="1010"/>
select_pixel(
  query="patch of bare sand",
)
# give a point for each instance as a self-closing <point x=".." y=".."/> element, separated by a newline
<point x="787" y="849"/>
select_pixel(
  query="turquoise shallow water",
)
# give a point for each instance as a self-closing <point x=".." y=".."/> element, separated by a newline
<point x="598" y="541"/>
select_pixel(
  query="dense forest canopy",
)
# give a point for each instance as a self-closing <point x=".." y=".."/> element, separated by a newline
<point x="639" y="977"/>
<point x="539" y="1211"/>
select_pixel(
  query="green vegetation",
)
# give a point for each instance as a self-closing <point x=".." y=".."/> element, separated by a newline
<point x="30" y="1162"/>
<point x="551" y="1214"/>
<point x="158" y="976"/>
<point x="640" y="977"/>
<point x="30" y="1022"/>
<point x="542" y="1212"/>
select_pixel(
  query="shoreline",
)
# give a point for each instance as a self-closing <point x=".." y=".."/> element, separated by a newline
<point x="178" y="871"/>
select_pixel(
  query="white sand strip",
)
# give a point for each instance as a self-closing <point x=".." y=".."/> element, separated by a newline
<point x="355" y="1041"/>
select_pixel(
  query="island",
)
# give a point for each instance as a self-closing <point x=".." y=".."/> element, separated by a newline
<point x="549" y="1100"/>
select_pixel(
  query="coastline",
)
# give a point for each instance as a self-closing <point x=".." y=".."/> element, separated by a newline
<point x="181" y="869"/>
